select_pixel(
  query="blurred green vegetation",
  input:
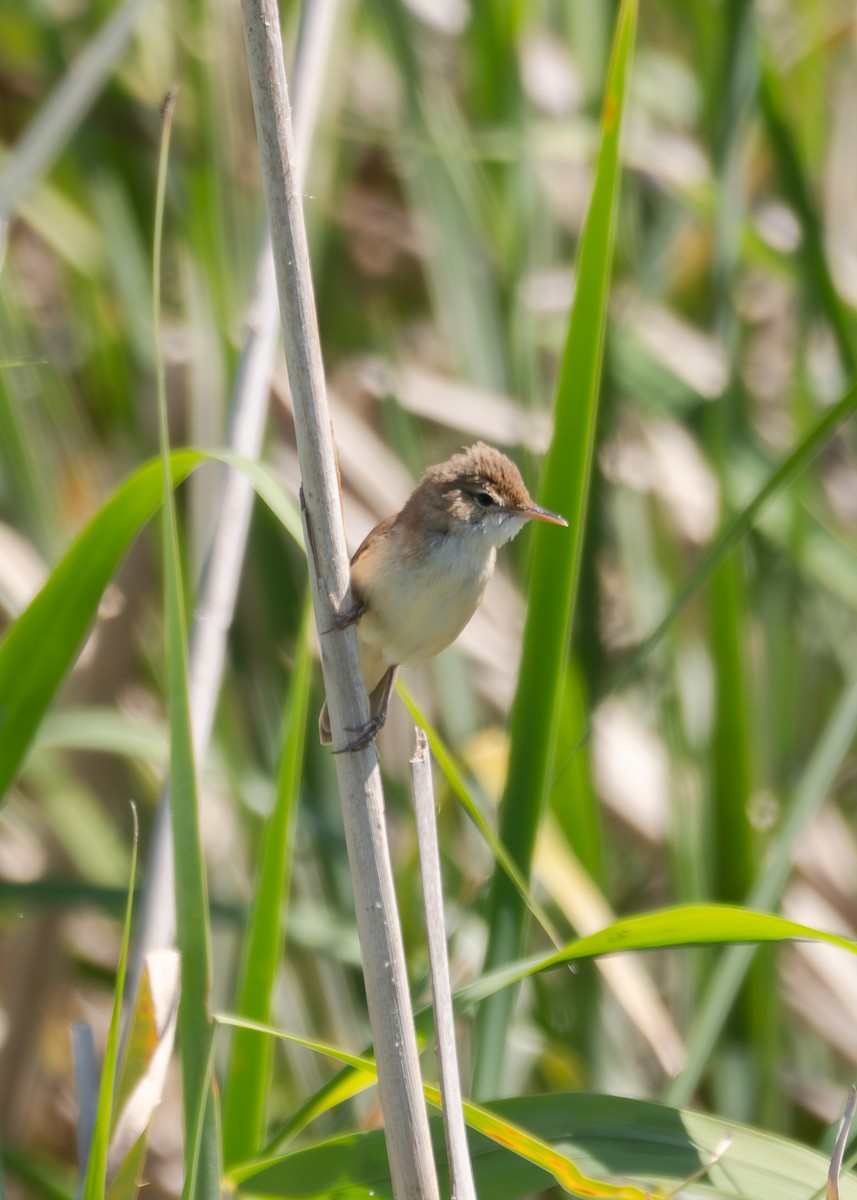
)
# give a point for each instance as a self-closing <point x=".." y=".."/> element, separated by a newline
<point x="448" y="180"/>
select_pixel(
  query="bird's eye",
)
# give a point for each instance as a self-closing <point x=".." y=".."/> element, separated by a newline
<point x="485" y="499"/>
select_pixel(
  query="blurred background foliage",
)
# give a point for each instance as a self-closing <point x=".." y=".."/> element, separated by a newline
<point x="447" y="183"/>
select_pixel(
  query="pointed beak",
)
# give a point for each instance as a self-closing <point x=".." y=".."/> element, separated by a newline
<point x="536" y="513"/>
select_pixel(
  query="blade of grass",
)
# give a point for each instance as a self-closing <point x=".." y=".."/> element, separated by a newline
<point x="245" y="1087"/>
<point x="344" y="1085"/>
<point x="689" y="926"/>
<point x="556" y="568"/>
<point x="732" y="534"/>
<point x="658" y="1148"/>
<point x="503" y="1132"/>
<point x="96" y="1167"/>
<point x="494" y="33"/>
<point x="794" y="179"/>
<point x="678" y="927"/>
<point x="731" y="768"/>
<point x="107" y="731"/>
<point x="193" y="935"/>
<point x="724" y="984"/>
<point x="581" y="822"/>
<point x="41" y="646"/>
<point x="693" y="925"/>
<point x="731" y="765"/>
<point x="140" y="1084"/>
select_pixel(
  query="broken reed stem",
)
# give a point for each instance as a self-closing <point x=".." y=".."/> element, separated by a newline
<point x="387" y="993"/>
<point x="458" y="1153"/>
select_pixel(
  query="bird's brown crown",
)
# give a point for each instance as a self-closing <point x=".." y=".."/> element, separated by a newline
<point x="462" y="487"/>
<point x="483" y="466"/>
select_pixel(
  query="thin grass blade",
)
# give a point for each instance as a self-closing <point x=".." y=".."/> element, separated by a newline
<point x="246" y="1084"/>
<point x="719" y="996"/>
<point x="683" y="926"/>
<point x="501" y="1131"/>
<point x="96" y="1169"/>
<point x="193" y="934"/>
<point x="140" y="1085"/>
<point x="794" y="179"/>
<point x="556" y="562"/>
<point x="732" y="534"/>
<point x="656" y="1148"/>
<point x="42" y="645"/>
<point x="519" y="1145"/>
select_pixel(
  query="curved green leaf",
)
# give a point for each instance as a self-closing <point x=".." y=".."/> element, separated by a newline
<point x="246" y="1083"/>
<point x="497" y="1129"/>
<point x="40" y="648"/>
<point x="556" y="557"/>
<point x="684" y="925"/>
<point x="647" y="1144"/>
<point x="689" y="925"/>
<point x="693" y="925"/>
<point x="96" y="1168"/>
<point x="522" y="1145"/>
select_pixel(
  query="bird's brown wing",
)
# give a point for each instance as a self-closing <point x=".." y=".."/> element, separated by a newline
<point x="380" y="530"/>
<point x="378" y="690"/>
<point x="369" y="543"/>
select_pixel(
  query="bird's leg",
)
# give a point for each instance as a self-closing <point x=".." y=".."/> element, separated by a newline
<point x="350" y="617"/>
<point x="368" y="732"/>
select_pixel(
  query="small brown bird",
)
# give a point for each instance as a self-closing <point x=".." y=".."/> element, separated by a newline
<point x="419" y="576"/>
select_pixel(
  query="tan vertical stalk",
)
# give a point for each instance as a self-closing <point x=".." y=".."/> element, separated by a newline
<point x="457" y="1151"/>
<point x="405" y="1119"/>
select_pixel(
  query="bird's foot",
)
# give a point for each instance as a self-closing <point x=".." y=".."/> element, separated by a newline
<point x="343" y="619"/>
<point x="365" y="734"/>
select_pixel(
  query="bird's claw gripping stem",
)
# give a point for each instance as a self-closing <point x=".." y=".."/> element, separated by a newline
<point x="342" y="620"/>
<point x="366" y="734"/>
